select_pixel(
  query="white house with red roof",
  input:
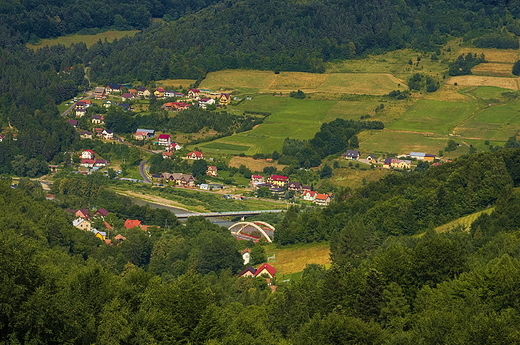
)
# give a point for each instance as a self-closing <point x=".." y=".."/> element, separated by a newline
<point x="87" y="154"/>
<point x="309" y="195"/>
<point x="164" y="140"/>
<point x="265" y="269"/>
<point x="194" y="93"/>
<point x="204" y="102"/>
<point x="166" y="155"/>
<point x="256" y="179"/>
<point x="322" y="199"/>
<point x="175" y="147"/>
<point x="195" y="155"/>
<point x="87" y="163"/>
<point x="212" y="170"/>
<point x="278" y="180"/>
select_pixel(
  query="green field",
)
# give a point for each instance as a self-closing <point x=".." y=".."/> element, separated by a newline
<point x="293" y="118"/>
<point x="87" y="39"/>
<point x="487" y="92"/>
<point x="433" y="116"/>
<point x="400" y="142"/>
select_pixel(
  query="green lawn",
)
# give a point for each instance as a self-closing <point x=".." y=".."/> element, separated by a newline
<point x="88" y="39"/>
<point x="433" y="116"/>
<point x="290" y="117"/>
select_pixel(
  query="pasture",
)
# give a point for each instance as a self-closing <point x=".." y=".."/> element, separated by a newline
<point x="89" y="40"/>
<point x="433" y="116"/>
<point x="246" y="81"/>
<point x="294" y="258"/>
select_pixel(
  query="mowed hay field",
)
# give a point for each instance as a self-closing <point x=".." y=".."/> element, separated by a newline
<point x="477" y="80"/>
<point x="253" y="164"/>
<point x="493" y="69"/>
<point x="352" y="178"/>
<point x="89" y="40"/>
<point x="400" y="142"/>
<point x="492" y="55"/>
<point x="292" y="259"/>
<point x="263" y="81"/>
<point x="433" y="116"/>
<point x="175" y="83"/>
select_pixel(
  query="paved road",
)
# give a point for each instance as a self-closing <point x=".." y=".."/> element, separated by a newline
<point x="143" y="173"/>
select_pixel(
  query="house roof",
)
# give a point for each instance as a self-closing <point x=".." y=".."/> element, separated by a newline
<point x="108" y="131"/>
<point x="85" y="133"/>
<point x="256" y="176"/>
<point x="322" y="196"/>
<point x="97" y="117"/>
<point x="164" y="136"/>
<point x="196" y="153"/>
<point x="132" y="223"/>
<point x="99" y="89"/>
<point x="127" y="95"/>
<point x="108" y="226"/>
<point x="212" y="168"/>
<point x="147" y="131"/>
<point x="429" y="155"/>
<point x="114" y="86"/>
<point x="295" y="184"/>
<point x="84" y="211"/>
<point x="247" y="269"/>
<point x="194" y="90"/>
<point x="352" y="153"/>
<point x="310" y="193"/>
<point x="89" y="151"/>
<point x="120" y="237"/>
<point x="73" y="122"/>
<point x="279" y="178"/>
<point x="102" y="212"/>
<point x="417" y="154"/>
<point x="160" y="89"/>
<point x="266" y="267"/>
<point x="169" y="154"/>
<point x="78" y="221"/>
<point x="88" y="161"/>
<point x="247" y="250"/>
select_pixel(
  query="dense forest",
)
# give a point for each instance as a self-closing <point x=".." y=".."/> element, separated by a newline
<point x="63" y="285"/>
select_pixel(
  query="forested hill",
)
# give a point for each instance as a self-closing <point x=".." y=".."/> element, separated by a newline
<point x="293" y="35"/>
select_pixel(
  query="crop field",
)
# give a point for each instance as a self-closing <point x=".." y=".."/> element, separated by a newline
<point x="88" y="39"/>
<point x="253" y="164"/>
<point x="433" y="116"/>
<point x="400" y="142"/>
<point x="493" y="55"/>
<point x="493" y="69"/>
<point x="175" y="83"/>
<point x="476" y="80"/>
<point x="264" y="81"/>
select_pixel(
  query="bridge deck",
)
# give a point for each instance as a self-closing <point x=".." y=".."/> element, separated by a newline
<point x="222" y="214"/>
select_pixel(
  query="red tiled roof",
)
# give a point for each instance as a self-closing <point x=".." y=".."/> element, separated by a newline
<point x="87" y="161"/>
<point x="279" y="178"/>
<point x="132" y="223"/>
<point x="266" y="267"/>
<point x="120" y="237"/>
<point x="164" y="136"/>
<point x="196" y="153"/>
<point x="322" y="196"/>
<point x="256" y="176"/>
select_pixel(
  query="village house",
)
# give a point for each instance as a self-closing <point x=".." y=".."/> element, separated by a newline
<point x="295" y="187"/>
<point x="142" y="134"/>
<point x="212" y="171"/>
<point x="174" y="147"/>
<point x="195" y="155"/>
<point x="400" y="164"/>
<point x="175" y="106"/>
<point x="265" y="270"/>
<point x="100" y="163"/>
<point x="132" y="223"/>
<point x="204" y="102"/>
<point x="322" y="199"/>
<point x="82" y="224"/>
<point x="74" y="123"/>
<point x="109" y="103"/>
<point x="126" y="106"/>
<point x="80" y="112"/>
<point x="127" y="96"/>
<point x="113" y="88"/>
<point x="193" y="93"/>
<point x="99" y="234"/>
<point x="166" y="155"/>
<point x="98" y="119"/>
<point x="101" y="213"/>
<point x="180" y="179"/>
<point x="278" y="180"/>
<point x="372" y="159"/>
<point x="246" y="255"/>
<point x="224" y="99"/>
<point x="87" y="154"/>
<point x="309" y="195"/>
<point x="247" y="272"/>
<point x="119" y="238"/>
<point x="98" y="131"/>
<point x="142" y="92"/>
<point x="83" y="104"/>
<point x="99" y="93"/>
<point x="87" y="163"/>
<point x="107" y="134"/>
<point x="83" y="213"/>
<point x="429" y="157"/>
<point x="351" y="154"/>
<point x="169" y="93"/>
<point x="159" y="93"/>
<point x="164" y="140"/>
<point x="256" y="179"/>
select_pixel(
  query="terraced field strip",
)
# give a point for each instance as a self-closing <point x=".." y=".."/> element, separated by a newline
<point x="464" y="222"/>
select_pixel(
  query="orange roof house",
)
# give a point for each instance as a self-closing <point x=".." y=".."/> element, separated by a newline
<point x="132" y="223"/>
<point x="265" y="269"/>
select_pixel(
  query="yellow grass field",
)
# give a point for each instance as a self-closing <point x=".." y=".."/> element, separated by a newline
<point x="338" y="83"/>
<point x="465" y="222"/>
<point x="494" y="55"/>
<point x="494" y="69"/>
<point x="476" y="80"/>
<point x="352" y="178"/>
<point x="294" y="258"/>
<point x="253" y="164"/>
<point x="88" y="39"/>
<point x="175" y="83"/>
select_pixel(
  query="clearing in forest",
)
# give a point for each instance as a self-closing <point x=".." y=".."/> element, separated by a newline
<point x="293" y="259"/>
<point x="89" y="40"/>
<point x="463" y="222"/>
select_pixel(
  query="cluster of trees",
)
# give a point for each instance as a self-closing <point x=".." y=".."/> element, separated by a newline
<point x="179" y="284"/>
<point x="333" y="137"/>
<point x="500" y="40"/>
<point x="465" y="63"/>
<point x="421" y="82"/>
<point x="403" y="204"/>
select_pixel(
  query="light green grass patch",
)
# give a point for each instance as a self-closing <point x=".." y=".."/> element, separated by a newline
<point x="89" y="40"/>
<point x="400" y="142"/>
<point x="486" y="92"/>
<point x="225" y="147"/>
<point x="433" y="116"/>
<point x="463" y="222"/>
<point x="232" y="79"/>
<point x="361" y="83"/>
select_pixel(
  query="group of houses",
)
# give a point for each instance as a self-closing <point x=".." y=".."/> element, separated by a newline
<point x="278" y="184"/>
<point x="80" y="110"/>
<point x="391" y="162"/>
<point x="84" y="219"/>
<point x="89" y="160"/>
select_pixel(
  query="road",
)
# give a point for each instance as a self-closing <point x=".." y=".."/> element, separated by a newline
<point x="143" y="172"/>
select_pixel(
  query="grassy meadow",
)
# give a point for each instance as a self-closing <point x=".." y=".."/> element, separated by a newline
<point x="89" y="40"/>
<point x="294" y="258"/>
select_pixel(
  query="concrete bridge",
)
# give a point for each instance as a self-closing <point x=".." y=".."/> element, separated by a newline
<point x="225" y="214"/>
